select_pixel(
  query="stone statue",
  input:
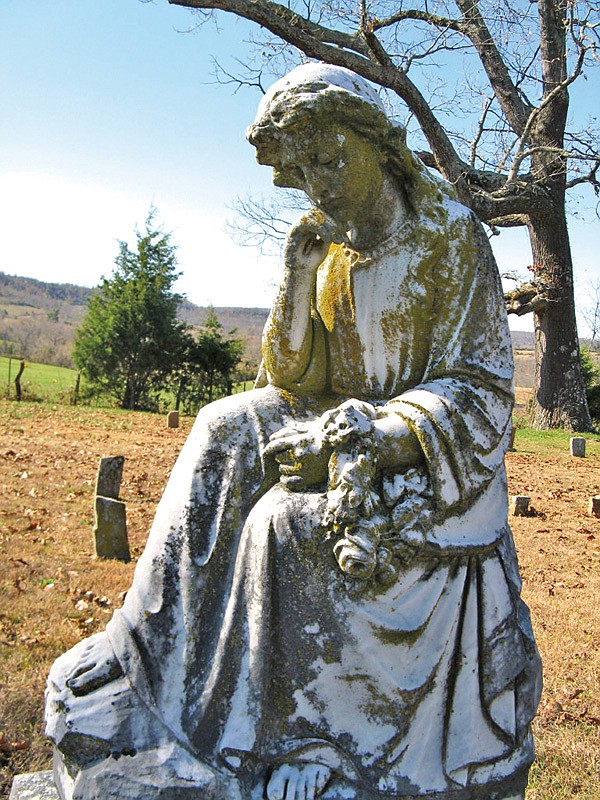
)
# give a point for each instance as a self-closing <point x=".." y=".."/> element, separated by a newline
<point x="328" y="603"/>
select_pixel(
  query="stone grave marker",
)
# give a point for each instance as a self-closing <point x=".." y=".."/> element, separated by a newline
<point x="110" y="473"/>
<point x="34" y="786"/>
<point x="519" y="505"/>
<point x="110" y="517"/>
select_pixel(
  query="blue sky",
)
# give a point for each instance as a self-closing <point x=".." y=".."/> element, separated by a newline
<point x="108" y="106"/>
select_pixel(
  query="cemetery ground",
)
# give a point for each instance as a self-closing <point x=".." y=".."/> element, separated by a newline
<point x="53" y="592"/>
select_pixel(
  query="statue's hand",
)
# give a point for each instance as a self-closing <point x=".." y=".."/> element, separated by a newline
<point x="97" y="667"/>
<point x="308" y="240"/>
<point x="302" y="455"/>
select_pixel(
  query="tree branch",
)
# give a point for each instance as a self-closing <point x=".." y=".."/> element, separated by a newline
<point x="590" y="177"/>
<point x="416" y="15"/>
<point x="505" y="90"/>
<point x="494" y="197"/>
<point x="355" y="52"/>
<point x="524" y="299"/>
<point x="548" y="98"/>
<point x="281" y="21"/>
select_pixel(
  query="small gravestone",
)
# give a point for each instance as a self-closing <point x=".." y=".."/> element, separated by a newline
<point x="34" y="786"/>
<point x="594" y="508"/>
<point x="519" y="506"/>
<point x="173" y="419"/>
<point x="511" y="446"/>
<point x="110" y="529"/>
<point x="110" y="472"/>
<point x="578" y="446"/>
<point x="110" y="522"/>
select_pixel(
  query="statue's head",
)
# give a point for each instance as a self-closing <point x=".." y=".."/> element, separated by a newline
<point x="315" y="101"/>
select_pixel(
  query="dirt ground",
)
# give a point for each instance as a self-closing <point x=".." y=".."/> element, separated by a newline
<point x="53" y="592"/>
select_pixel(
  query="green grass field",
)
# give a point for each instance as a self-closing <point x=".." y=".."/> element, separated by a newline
<point x="48" y="384"/>
<point x="552" y="443"/>
<point x="38" y="382"/>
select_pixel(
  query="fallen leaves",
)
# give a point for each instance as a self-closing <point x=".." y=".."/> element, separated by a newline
<point x="569" y="706"/>
<point x="8" y="747"/>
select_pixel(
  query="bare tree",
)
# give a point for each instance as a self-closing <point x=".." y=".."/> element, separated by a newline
<point x="590" y="312"/>
<point x="513" y="157"/>
<point x="262" y="222"/>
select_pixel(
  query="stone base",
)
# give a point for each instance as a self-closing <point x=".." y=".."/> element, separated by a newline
<point x="34" y="786"/>
<point x="40" y="786"/>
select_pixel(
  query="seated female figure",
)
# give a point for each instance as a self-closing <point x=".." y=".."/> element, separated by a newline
<point x="328" y="603"/>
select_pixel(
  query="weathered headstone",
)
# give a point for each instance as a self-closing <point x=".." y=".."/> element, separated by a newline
<point x="173" y="419"/>
<point x="519" y="505"/>
<point x="34" y="786"/>
<point x="108" y="480"/>
<point x="578" y="446"/>
<point x="110" y="529"/>
<point x="110" y="518"/>
<point x="594" y="506"/>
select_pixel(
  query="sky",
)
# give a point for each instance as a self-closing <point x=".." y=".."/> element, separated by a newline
<point x="108" y="107"/>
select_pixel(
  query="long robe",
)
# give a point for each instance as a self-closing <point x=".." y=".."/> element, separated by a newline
<point x="242" y="635"/>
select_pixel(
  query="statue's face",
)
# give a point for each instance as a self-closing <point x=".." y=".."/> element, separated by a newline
<point x="339" y="170"/>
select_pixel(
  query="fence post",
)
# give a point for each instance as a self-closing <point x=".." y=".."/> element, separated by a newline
<point x="18" y="380"/>
<point x="76" y="389"/>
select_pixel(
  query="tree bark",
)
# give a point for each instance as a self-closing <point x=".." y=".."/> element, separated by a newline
<point x="559" y="399"/>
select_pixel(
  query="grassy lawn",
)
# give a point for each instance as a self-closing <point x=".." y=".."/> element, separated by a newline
<point x="54" y="593"/>
<point x="48" y="384"/>
<point x="38" y="381"/>
<point x="554" y="443"/>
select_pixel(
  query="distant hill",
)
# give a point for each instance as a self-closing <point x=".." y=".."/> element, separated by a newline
<point x="38" y="320"/>
<point x="248" y="324"/>
<point x="522" y="340"/>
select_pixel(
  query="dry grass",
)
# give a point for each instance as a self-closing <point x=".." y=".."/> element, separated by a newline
<point x="53" y="592"/>
<point x="559" y="556"/>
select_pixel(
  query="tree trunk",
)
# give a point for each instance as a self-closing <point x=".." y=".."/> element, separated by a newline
<point x="559" y="399"/>
<point x="180" y="393"/>
<point x="130" y="393"/>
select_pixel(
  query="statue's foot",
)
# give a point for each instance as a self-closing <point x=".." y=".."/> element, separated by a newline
<point x="299" y="781"/>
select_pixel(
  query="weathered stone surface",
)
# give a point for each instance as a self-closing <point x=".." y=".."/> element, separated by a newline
<point x="108" y="480"/>
<point x="328" y="602"/>
<point x="110" y="529"/>
<point x="169" y="773"/>
<point x="594" y="506"/>
<point x="578" y="446"/>
<point x="173" y="419"/>
<point x="519" y="505"/>
<point x="34" y="786"/>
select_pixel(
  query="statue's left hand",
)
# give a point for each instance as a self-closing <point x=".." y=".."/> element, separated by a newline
<point x="302" y="455"/>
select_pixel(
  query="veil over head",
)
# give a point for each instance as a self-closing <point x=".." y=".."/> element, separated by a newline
<point x="314" y="94"/>
<point x="308" y="89"/>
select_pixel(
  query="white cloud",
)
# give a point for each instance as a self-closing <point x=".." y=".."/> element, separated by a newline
<point x="58" y="229"/>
